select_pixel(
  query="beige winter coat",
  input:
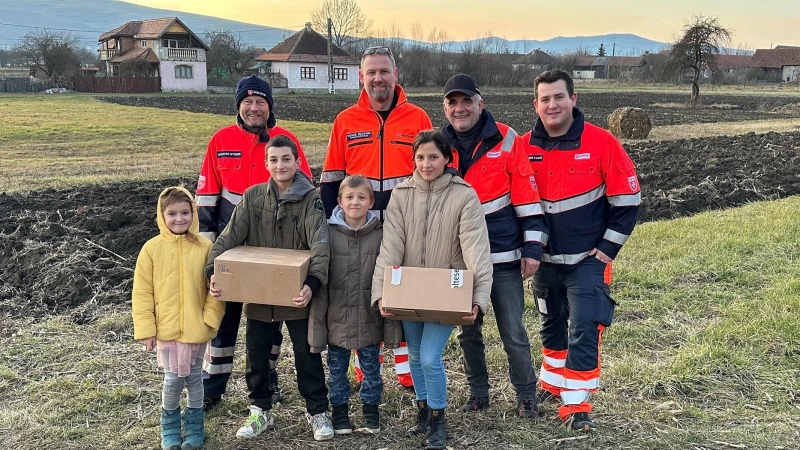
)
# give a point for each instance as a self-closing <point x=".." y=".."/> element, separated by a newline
<point x="438" y="224"/>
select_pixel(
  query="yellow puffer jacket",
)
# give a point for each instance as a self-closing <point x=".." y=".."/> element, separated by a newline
<point x="170" y="295"/>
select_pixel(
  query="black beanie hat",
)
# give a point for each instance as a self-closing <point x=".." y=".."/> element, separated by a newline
<point x="253" y="85"/>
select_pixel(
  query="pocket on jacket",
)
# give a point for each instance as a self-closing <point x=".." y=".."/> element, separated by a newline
<point x="605" y="306"/>
<point x="229" y="163"/>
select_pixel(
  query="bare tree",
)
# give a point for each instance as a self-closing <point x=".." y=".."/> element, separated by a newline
<point x="697" y="49"/>
<point x="441" y="56"/>
<point x="227" y="55"/>
<point x="350" y="24"/>
<point x="50" y="52"/>
<point x="416" y="58"/>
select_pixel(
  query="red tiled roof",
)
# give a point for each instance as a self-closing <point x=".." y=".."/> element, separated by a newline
<point x="775" y="58"/>
<point x="306" y="46"/>
<point x="733" y="61"/>
<point x="147" y="29"/>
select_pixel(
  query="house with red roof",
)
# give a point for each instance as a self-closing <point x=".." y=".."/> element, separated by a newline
<point x="164" y="48"/>
<point x="301" y="63"/>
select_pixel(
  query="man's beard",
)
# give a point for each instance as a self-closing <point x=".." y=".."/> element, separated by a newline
<point x="379" y="93"/>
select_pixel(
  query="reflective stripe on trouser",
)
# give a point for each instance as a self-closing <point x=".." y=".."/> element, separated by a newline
<point x="218" y="361"/>
<point x="579" y="384"/>
<point x="357" y="365"/>
<point x="402" y="368"/>
<point x="575" y="307"/>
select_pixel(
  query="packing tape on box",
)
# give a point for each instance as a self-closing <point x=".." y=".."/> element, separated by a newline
<point x="397" y="273"/>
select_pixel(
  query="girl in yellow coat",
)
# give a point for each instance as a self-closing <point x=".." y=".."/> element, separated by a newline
<point x="173" y="312"/>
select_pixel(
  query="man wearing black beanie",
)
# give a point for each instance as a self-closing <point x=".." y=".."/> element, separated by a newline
<point x="234" y="161"/>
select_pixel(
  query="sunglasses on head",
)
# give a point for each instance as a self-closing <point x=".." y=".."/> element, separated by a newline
<point x="380" y="50"/>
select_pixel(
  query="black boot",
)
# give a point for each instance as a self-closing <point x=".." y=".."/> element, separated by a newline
<point x="372" y="419"/>
<point x="423" y="412"/>
<point x="341" y="420"/>
<point x="437" y="439"/>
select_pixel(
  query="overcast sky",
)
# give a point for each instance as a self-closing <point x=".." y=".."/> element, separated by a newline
<point x="755" y="23"/>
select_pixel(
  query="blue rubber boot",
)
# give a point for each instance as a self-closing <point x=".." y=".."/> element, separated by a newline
<point x="171" y="429"/>
<point x="194" y="430"/>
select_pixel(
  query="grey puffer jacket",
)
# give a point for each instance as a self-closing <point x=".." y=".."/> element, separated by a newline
<point x="343" y="306"/>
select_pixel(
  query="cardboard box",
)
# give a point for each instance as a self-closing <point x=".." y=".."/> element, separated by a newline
<point x="428" y="295"/>
<point x="269" y="276"/>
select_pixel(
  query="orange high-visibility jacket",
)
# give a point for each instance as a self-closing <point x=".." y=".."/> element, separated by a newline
<point x="362" y="143"/>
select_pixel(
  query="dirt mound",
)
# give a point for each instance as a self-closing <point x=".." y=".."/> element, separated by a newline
<point x="70" y="250"/>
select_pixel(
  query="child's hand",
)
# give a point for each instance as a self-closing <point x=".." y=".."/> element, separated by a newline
<point x="471" y="319"/>
<point x="304" y="298"/>
<point x="383" y="311"/>
<point x="213" y="289"/>
<point x="149" y="343"/>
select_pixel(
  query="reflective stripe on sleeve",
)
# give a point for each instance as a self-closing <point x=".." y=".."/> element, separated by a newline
<point x="615" y="237"/>
<point x="536" y="236"/>
<point x="231" y="197"/>
<point x="626" y="200"/>
<point x="331" y="176"/>
<point x="504" y="257"/>
<point x="528" y="210"/>
<point x="207" y="200"/>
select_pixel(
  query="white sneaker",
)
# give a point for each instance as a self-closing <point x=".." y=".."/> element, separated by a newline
<point x="258" y="422"/>
<point x="321" y="424"/>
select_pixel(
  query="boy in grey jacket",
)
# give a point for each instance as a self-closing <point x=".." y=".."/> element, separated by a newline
<point x="354" y="236"/>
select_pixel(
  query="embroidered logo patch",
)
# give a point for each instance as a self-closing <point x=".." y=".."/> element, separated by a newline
<point x="535" y="158"/>
<point x="494" y="154"/>
<point x="318" y="205"/>
<point x="405" y="135"/>
<point x="201" y="182"/>
<point x="633" y="183"/>
<point x="359" y="135"/>
<point x="533" y="183"/>
<point x="583" y="156"/>
<point x="229" y="154"/>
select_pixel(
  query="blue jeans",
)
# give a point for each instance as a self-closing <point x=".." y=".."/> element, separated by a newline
<point x="426" y="341"/>
<point x="338" y="383"/>
<point x="508" y="303"/>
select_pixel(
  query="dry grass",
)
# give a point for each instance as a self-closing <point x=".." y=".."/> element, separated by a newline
<point x="687" y="105"/>
<point x="67" y="140"/>
<point x="700" y="130"/>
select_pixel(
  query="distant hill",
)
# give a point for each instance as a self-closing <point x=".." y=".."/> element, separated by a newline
<point x="88" y="19"/>
<point x="91" y="18"/>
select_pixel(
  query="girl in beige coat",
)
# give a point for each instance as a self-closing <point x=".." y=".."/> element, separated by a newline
<point x="434" y="219"/>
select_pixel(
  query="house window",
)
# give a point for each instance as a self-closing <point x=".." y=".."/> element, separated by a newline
<point x="308" y="73"/>
<point x="143" y="43"/>
<point x="169" y="43"/>
<point x="183" y="72"/>
<point x="339" y="73"/>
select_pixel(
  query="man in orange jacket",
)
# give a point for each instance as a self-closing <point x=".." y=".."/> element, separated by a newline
<point x="374" y="138"/>
<point x="590" y="197"/>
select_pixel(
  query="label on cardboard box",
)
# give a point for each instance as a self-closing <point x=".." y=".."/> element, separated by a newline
<point x="270" y="276"/>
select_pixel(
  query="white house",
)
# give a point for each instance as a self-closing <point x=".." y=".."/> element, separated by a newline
<point x="163" y="48"/>
<point x="301" y="63"/>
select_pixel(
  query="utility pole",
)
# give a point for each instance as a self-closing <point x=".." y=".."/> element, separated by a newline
<point x="331" y="87"/>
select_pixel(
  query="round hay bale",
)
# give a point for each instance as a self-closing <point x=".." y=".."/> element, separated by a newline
<point x="629" y="123"/>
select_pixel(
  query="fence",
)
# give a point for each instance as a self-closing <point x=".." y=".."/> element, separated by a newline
<point x="130" y="85"/>
<point x="24" y="85"/>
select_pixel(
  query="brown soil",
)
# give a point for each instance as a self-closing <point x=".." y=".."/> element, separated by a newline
<point x="515" y="110"/>
<point x="66" y="251"/>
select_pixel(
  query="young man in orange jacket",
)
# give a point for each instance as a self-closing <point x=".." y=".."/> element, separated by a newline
<point x="590" y="197"/>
